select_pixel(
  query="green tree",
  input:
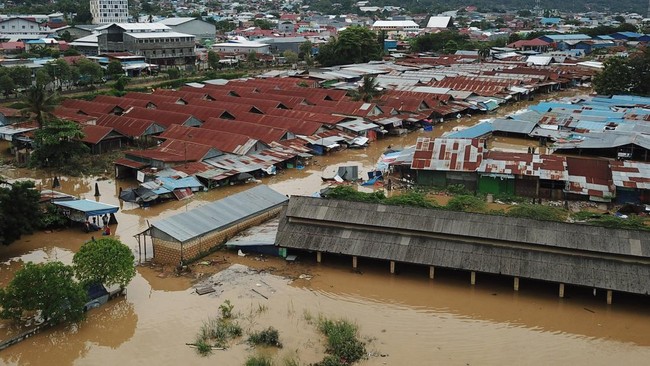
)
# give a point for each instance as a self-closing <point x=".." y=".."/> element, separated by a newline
<point x="213" y="60"/>
<point x="368" y="90"/>
<point x="89" y="71"/>
<point x="451" y="47"/>
<point x="47" y="289"/>
<point x="59" y="71"/>
<point x="22" y="76"/>
<point x="114" y="69"/>
<point x="355" y="44"/>
<point x="58" y="144"/>
<point x="483" y="52"/>
<point x="252" y="58"/>
<point x="120" y="84"/>
<point x="7" y="85"/>
<point x="71" y="52"/>
<point x="39" y="102"/>
<point x="263" y="24"/>
<point x="225" y="26"/>
<point x="43" y="78"/>
<point x="290" y="56"/>
<point x="305" y="50"/>
<point x="92" y="267"/>
<point x="20" y="212"/>
<point x="173" y="73"/>
<point x="615" y="78"/>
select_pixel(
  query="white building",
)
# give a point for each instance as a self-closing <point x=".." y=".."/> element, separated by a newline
<point x="109" y="11"/>
<point x="396" y="26"/>
<point x="242" y="45"/>
<point x="18" y="29"/>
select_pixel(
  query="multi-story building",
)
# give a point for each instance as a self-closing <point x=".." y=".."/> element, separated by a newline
<point x="155" y="41"/>
<point x="109" y="11"/>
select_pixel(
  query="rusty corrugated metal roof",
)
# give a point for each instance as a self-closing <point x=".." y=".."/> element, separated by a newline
<point x="464" y="155"/>
<point x="631" y="174"/>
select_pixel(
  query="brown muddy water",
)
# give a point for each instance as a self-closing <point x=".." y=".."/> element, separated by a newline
<point x="406" y="319"/>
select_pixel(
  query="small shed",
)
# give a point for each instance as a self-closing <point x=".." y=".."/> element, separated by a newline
<point x="187" y="236"/>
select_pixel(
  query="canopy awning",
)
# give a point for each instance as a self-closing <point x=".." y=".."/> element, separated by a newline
<point x="88" y="207"/>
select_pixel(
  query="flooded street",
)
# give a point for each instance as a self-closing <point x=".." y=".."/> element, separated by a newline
<point x="407" y="318"/>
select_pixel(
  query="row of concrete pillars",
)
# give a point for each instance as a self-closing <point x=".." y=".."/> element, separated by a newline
<point x="472" y="278"/>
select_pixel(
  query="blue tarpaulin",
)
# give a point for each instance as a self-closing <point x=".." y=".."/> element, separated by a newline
<point x="88" y="207"/>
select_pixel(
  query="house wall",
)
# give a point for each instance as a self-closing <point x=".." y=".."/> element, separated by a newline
<point x="22" y="26"/>
<point x="166" y="252"/>
<point x="496" y="185"/>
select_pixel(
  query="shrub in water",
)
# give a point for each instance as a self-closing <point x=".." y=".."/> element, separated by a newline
<point x="266" y="337"/>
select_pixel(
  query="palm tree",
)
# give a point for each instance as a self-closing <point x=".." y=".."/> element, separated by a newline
<point x="39" y="102"/>
<point x="368" y="90"/>
<point x="483" y="52"/>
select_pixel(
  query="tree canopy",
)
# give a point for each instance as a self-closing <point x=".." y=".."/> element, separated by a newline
<point x="442" y="41"/>
<point x="368" y="90"/>
<point x="19" y="211"/>
<point x="355" y="44"/>
<point x="39" y="102"/>
<point x="104" y="261"/>
<point x="625" y="75"/>
<point x="58" y="144"/>
<point x="47" y="289"/>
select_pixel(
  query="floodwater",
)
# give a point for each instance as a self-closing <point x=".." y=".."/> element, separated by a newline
<point x="406" y="319"/>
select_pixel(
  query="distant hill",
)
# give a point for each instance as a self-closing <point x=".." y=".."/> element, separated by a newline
<point x="638" y="6"/>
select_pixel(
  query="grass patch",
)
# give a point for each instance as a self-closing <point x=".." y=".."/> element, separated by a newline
<point x="538" y="212"/>
<point x="466" y="203"/>
<point x="343" y="346"/>
<point x="258" y="361"/>
<point x="267" y="337"/>
<point x="632" y="222"/>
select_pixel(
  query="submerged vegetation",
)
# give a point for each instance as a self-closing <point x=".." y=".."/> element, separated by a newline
<point x="217" y="333"/>
<point x="343" y="345"/>
<point x="268" y="337"/>
<point x="464" y="201"/>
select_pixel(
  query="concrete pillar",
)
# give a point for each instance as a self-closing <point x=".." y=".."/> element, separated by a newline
<point x="392" y="267"/>
<point x="472" y="278"/>
<point x="319" y="256"/>
<point x="354" y="261"/>
<point x="609" y="297"/>
<point x="561" y="290"/>
<point x="432" y="271"/>
<point x="516" y="285"/>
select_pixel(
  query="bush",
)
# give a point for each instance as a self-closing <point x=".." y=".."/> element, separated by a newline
<point x="342" y="342"/>
<point x="538" y="212"/>
<point x="457" y="189"/>
<point x="466" y="203"/>
<point x="410" y="199"/>
<point x="633" y="222"/>
<point x="202" y="347"/>
<point x="258" y="361"/>
<point x="267" y="337"/>
<point x="350" y="194"/>
<point x="510" y="198"/>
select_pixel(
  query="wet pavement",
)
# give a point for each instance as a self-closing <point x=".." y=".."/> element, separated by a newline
<point x="408" y="318"/>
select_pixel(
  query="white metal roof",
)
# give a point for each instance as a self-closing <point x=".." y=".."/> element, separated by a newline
<point x="176" y="21"/>
<point x="160" y="35"/>
<point x="131" y="27"/>
<point x="395" y="23"/>
<point x="438" y="22"/>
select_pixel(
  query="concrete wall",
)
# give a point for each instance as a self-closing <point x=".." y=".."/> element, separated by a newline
<point x="166" y="252"/>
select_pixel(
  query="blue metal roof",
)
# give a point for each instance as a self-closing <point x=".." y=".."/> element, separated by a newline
<point x="187" y="182"/>
<point x="475" y="131"/>
<point x="88" y="207"/>
<point x="566" y="37"/>
<point x="544" y="107"/>
<point x="550" y="20"/>
<point x="217" y="215"/>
